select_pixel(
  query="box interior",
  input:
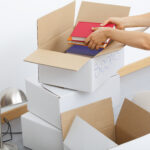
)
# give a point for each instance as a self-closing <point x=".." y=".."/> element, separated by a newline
<point x="133" y="121"/>
<point x="55" y="28"/>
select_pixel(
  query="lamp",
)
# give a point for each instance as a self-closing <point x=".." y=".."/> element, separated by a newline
<point x="10" y="96"/>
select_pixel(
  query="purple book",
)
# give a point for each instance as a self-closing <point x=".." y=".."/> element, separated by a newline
<point x="83" y="50"/>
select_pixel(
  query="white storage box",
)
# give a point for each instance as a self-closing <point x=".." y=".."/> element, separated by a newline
<point x="49" y="102"/>
<point x="82" y="136"/>
<point x="39" y="135"/>
<point x="131" y="132"/>
<point x="91" y="76"/>
<point x="56" y="67"/>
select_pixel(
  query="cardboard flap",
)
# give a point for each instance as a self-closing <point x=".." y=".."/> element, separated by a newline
<point x="60" y="92"/>
<point x="96" y="12"/>
<point x="133" y="122"/>
<point x="112" y="47"/>
<point x="57" y="59"/>
<point x="98" y="114"/>
<point x="55" y="23"/>
<point x="82" y="136"/>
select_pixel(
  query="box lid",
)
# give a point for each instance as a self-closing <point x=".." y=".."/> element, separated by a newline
<point x="55" y="23"/>
<point x="98" y="114"/>
<point x="60" y="92"/>
<point x="133" y="122"/>
<point x="82" y="136"/>
<point x="98" y="12"/>
<point x="56" y="59"/>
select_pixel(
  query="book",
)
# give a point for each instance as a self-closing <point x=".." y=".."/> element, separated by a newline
<point x="83" y="50"/>
<point x="83" y="30"/>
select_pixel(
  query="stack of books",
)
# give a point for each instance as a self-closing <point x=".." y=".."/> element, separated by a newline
<point x="80" y="33"/>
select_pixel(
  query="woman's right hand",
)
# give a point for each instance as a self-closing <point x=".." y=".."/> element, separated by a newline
<point x="118" y="21"/>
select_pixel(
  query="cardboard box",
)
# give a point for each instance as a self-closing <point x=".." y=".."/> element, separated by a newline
<point x="131" y="130"/>
<point x="82" y="136"/>
<point x="50" y="102"/>
<point x="39" y="135"/>
<point x="69" y="70"/>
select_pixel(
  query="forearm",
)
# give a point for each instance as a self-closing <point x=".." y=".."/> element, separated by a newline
<point x="131" y="38"/>
<point x="137" y="21"/>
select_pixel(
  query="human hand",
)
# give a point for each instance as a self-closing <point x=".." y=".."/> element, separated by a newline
<point x="98" y="37"/>
<point x="118" y="21"/>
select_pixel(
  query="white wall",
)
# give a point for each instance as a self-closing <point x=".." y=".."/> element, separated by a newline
<point x="18" y="35"/>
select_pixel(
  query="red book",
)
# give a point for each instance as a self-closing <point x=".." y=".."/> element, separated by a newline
<point x="84" y="29"/>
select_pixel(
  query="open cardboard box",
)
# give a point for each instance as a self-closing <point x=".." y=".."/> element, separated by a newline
<point x="49" y="102"/>
<point x="131" y="131"/>
<point x="70" y="70"/>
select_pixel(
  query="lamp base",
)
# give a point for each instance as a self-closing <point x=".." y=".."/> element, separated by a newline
<point x="9" y="147"/>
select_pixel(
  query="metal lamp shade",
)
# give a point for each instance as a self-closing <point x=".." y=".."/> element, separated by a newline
<point x="12" y="96"/>
<point x="8" y="97"/>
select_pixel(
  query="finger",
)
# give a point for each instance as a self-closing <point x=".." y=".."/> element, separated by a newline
<point x="97" y="47"/>
<point x="94" y="28"/>
<point x="90" y="44"/>
<point x="87" y="39"/>
<point x="106" y="22"/>
<point x="93" y="46"/>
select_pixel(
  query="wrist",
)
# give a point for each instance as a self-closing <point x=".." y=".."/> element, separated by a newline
<point x="108" y="32"/>
<point x="125" y="22"/>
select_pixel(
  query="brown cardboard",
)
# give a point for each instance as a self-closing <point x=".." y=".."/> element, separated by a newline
<point x="54" y="29"/>
<point x="98" y="12"/>
<point x="56" y="59"/>
<point x="55" y="23"/>
<point x="133" y="122"/>
<point x="98" y="114"/>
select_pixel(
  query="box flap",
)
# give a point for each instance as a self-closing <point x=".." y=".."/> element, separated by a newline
<point x="98" y="114"/>
<point x="97" y="12"/>
<point x="141" y="143"/>
<point x="57" y="59"/>
<point x="58" y="91"/>
<point x="133" y="122"/>
<point x="112" y="47"/>
<point x="55" y="23"/>
<point x="82" y="136"/>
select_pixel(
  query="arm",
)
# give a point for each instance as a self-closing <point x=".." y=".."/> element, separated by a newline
<point x="131" y="21"/>
<point x="131" y="38"/>
<point x="137" y="21"/>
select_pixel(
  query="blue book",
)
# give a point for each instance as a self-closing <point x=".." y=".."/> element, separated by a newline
<point x="83" y="50"/>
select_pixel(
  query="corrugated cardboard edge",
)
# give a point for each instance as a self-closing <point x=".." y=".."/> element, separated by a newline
<point x="133" y="67"/>
<point x="98" y="114"/>
<point x="133" y="122"/>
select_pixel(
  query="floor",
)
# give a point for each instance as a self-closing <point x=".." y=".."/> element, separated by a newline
<point x="17" y="139"/>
